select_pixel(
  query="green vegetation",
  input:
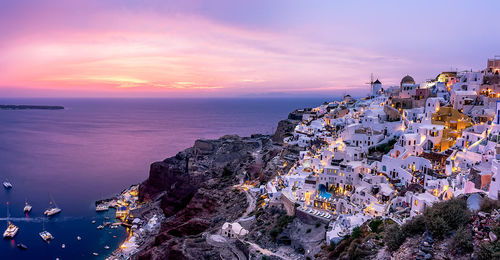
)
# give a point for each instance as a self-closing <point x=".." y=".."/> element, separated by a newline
<point x="283" y="221"/>
<point x="446" y="216"/>
<point x="394" y="237"/>
<point x="462" y="240"/>
<point x="414" y="226"/>
<point x="375" y="224"/>
<point x="383" y="148"/>
<point x="489" y="251"/>
<point x="360" y="244"/>
<point x="356" y="232"/>
<point x="441" y="219"/>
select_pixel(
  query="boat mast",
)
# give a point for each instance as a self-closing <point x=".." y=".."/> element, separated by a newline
<point x="52" y="200"/>
<point x="8" y="213"/>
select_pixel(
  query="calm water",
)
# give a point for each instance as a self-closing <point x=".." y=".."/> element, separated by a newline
<point x="97" y="147"/>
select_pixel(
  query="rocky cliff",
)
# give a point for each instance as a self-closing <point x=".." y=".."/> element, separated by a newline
<point x="197" y="195"/>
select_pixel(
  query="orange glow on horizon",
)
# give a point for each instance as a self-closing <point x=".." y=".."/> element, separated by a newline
<point x="191" y="55"/>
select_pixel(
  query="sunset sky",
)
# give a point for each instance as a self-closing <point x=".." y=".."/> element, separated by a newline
<point x="140" y="48"/>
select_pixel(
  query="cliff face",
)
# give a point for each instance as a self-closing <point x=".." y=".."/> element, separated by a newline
<point x="195" y="188"/>
<point x="285" y="128"/>
<point x="196" y="191"/>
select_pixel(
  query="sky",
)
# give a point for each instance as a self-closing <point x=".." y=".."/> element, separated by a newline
<point x="227" y="48"/>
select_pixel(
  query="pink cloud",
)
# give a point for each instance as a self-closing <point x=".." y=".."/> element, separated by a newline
<point x="182" y="54"/>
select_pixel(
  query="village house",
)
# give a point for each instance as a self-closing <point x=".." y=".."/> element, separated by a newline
<point x="233" y="230"/>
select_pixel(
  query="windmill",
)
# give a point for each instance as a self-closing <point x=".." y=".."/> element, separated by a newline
<point x="371" y="84"/>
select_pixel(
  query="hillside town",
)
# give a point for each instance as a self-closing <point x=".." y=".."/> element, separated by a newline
<point x="395" y="153"/>
<point x="402" y="173"/>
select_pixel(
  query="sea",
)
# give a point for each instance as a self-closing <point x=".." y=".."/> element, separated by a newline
<point x="94" y="149"/>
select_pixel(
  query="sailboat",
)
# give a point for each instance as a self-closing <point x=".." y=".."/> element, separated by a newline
<point x="53" y="209"/>
<point x="27" y="207"/>
<point x="12" y="229"/>
<point x="45" y="235"/>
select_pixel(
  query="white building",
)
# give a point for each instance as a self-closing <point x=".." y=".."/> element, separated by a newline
<point x="233" y="230"/>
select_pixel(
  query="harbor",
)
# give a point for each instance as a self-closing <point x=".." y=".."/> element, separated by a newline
<point x="141" y="220"/>
<point x="19" y="229"/>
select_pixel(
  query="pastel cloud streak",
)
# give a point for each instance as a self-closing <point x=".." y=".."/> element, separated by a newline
<point x="163" y="48"/>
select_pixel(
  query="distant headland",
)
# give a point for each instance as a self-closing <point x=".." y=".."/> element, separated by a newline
<point x="24" y="107"/>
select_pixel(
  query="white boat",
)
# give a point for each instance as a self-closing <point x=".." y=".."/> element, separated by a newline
<point x="46" y="236"/>
<point x="52" y="210"/>
<point x="106" y="247"/>
<point x="96" y="254"/>
<point x="11" y="231"/>
<point x="101" y="207"/>
<point x="27" y="208"/>
<point x="100" y="227"/>
<point x="7" y="184"/>
<point x="63" y="246"/>
<point x="78" y="238"/>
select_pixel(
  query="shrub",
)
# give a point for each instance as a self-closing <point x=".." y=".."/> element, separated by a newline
<point x="394" y="237"/>
<point x="308" y="230"/>
<point x="375" y="224"/>
<point x="356" y="232"/>
<point x="489" y="251"/>
<point x="414" y="226"/>
<point x="488" y="205"/>
<point x="317" y="224"/>
<point x="462" y="240"/>
<point x="284" y="220"/>
<point x="355" y="251"/>
<point x="437" y="226"/>
<point x="446" y="216"/>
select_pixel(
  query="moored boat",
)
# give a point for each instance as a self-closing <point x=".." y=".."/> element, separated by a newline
<point x="7" y="184"/>
<point x="52" y="210"/>
<point x="27" y="207"/>
<point x="11" y="231"/>
<point x="46" y="236"/>
<point x="101" y="207"/>
<point x="22" y="246"/>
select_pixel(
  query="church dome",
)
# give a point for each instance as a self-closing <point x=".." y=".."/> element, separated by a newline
<point x="407" y="80"/>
